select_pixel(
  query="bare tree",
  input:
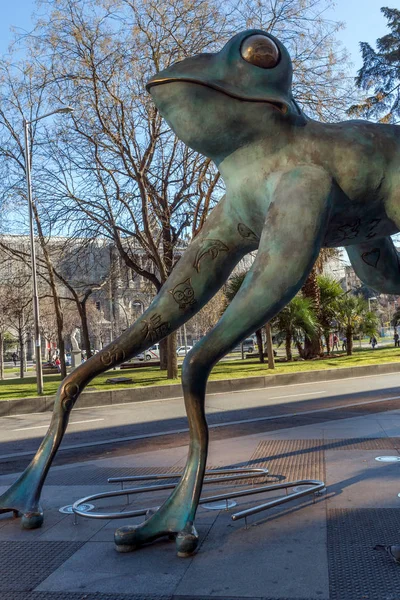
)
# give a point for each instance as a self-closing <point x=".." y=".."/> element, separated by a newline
<point x="116" y="170"/>
<point x="18" y="315"/>
<point x="119" y="171"/>
<point x="4" y="305"/>
<point x="22" y="94"/>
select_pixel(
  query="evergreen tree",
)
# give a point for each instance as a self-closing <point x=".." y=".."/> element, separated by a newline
<point x="380" y="75"/>
<point x="294" y="323"/>
<point x="329" y="290"/>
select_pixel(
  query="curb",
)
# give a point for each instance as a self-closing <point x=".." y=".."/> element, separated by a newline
<point x="39" y="404"/>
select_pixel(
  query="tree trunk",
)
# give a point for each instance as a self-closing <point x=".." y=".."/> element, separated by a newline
<point x="56" y="297"/>
<point x="22" y="354"/>
<point x="270" y="349"/>
<point x="61" y="355"/>
<point x="349" y="344"/>
<point x="1" y="355"/>
<point x="164" y="354"/>
<point x="300" y="349"/>
<point x="172" y="359"/>
<point x="260" y="345"/>
<point x="310" y="289"/>
<point x="61" y="343"/>
<point x="288" y="345"/>
<point x="85" y="329"/>
<point x="326" y="336"/>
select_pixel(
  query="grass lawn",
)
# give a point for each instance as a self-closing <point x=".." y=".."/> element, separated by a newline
<point x="18" y="388"/>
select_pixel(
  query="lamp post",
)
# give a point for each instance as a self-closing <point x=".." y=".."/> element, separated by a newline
<point x="35" y="297"/>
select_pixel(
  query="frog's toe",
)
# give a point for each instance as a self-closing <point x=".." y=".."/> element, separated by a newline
<point x="125" y="539"/>
<point x="32" y="519"/>
<point x="187" y="542"/>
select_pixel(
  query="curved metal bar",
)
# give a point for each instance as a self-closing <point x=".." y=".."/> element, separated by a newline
<point x="228" y="475"/>
<point x="315" y="486"/>
<point x="241" y="473"/>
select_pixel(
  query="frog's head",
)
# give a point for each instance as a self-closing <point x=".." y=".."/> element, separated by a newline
<point x="218" y="102"/>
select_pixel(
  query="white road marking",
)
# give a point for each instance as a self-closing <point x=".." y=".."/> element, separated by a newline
<point x="295" y="395"/>
<point x="214" y="426"/>
<point x="265" y="389"/>
<point x="46" y="426"/>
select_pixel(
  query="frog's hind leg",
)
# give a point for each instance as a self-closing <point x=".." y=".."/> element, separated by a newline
<point x="377" y="264"/>
<point x="201" y="271"/>
<point x="289" y="245"/>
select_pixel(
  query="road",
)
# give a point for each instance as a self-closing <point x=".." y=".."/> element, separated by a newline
<point x="101" y="431"/>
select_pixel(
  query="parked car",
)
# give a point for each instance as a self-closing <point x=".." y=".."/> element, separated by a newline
<point x="183" y="350"/>
<point x="248" y="346"/>
<point x="151" y="353"/>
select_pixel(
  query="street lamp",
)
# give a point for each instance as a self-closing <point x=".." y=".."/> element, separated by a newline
<point x="38" y="353"/>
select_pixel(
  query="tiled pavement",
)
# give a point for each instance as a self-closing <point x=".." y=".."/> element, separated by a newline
<point x="313" y="548"/>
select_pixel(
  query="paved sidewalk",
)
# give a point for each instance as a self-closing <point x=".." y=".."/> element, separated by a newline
<point x="313" y="548"/>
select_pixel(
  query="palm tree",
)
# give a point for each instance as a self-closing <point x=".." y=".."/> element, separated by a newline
<point x="294" y="323"/>
<point x="354" y="317"/>
<point x="310" y="289"/>
<point x="231" y="289"/>
<point x="329" y="290"/>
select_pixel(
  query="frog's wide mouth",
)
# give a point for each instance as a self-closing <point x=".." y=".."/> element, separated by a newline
<point x="281" y="106"/>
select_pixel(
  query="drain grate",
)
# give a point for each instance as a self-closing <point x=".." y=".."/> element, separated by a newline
<point x="24" y="565"/>
<point x="356" y="570"/>
<point x="291" y="459"/>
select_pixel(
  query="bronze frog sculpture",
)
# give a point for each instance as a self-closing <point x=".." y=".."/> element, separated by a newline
<point x="293" y="185"/>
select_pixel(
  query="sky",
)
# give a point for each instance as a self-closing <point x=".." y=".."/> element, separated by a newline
<point x="362" y="18"/>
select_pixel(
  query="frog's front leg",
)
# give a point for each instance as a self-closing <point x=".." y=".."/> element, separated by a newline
<point x="289" y="245"/>
<point x="376" y="263"/>
<point x="200" y="272"/>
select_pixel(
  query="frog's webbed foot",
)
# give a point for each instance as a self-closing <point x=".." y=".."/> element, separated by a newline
<point x="130" y="538"/>
<point x="175" y="517"/>
<point x="14" y="500"/>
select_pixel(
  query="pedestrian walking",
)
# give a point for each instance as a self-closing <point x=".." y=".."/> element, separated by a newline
<point x="396" y="340"/>
<point x="335" y="342"/>
<point x="344" y="344"/>
<point x="373" y="342"/>
<point x="14" y="356"/>
<point x="57" y="362"/>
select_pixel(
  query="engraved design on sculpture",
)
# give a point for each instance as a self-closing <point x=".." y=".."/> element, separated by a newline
<point x="211" y="247"/>
<point x="247" y="233"/>
<point x="372" y="228"/>
<point x="349" y="231"/>
<point x="155" y="328"/>
<point x="232" y="108"/>
<point x="183" y="294"/>
<point x="371" y="258"/>
<point x="112" y="354"/>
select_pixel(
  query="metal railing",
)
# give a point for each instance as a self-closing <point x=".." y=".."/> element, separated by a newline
<point x="214" y="476"/>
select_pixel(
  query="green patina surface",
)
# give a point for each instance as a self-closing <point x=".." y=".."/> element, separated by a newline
<point x="293" y="185"/>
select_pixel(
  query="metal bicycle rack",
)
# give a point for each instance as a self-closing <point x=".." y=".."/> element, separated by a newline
<point x="313" y="487"/>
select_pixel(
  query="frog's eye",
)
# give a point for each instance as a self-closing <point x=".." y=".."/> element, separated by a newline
<point x="261" y="51"/>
